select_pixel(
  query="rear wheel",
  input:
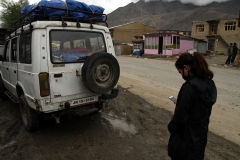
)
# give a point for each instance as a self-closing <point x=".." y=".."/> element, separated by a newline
<point x="2" y="90"/>
<point x="29" y="116"/>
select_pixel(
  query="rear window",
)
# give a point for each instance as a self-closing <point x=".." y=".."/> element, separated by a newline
<point x="75" y="46"/>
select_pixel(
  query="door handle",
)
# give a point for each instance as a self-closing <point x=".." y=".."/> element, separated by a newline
<point x="58" y="75"/>
<point x="15" y="71"/>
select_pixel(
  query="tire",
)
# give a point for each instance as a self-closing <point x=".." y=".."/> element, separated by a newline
<point x="100" y="72"/>
<point x="29" y="116"/>
<point x="2" y="90"/>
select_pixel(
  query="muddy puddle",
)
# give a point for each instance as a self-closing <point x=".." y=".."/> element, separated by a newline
<point x="119" y="123"/>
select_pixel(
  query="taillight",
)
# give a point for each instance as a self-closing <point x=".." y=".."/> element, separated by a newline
<point x="44" y="84"/>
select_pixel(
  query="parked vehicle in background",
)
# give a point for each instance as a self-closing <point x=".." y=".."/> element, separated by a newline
<point x="52" y="67"/>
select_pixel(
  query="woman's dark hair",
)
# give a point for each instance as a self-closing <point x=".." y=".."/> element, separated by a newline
<point x="198" y="64"/>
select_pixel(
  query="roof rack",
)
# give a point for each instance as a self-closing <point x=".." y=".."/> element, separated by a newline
<point x="31" y="16"/>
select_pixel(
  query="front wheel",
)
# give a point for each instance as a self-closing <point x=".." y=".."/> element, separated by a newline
<point x="29" y="116"/>
<point x="2" y="90"/>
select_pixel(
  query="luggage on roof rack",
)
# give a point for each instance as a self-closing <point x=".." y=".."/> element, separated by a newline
<point x="59" y="10"/>
<point x="71" y="8"/>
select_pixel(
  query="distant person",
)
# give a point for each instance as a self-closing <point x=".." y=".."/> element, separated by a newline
<point x="235" y="50"/>
<point x="189" y="125"/>
<point x="230" y="51"/>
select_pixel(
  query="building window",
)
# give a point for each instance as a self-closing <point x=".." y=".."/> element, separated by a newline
<point x="214" y="28"/>
<point x="176" y="42"/>
<point x="156" y="42"/>
<point x="150" y="42"/>
<point x="146" y="42"/>
<point x="153" y="43"/>
<point x="200" y="28"/>
<point x="230" y="26"/>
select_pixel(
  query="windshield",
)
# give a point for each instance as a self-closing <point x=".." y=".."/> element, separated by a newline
<point x="75" y="46"/>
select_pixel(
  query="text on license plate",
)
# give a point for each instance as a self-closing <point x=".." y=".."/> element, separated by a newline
<point x="84" y="100"/>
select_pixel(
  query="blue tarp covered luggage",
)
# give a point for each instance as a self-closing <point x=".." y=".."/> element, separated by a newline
<point x="97" y="9"/>
<point x="75" y="5"/>
<point x="65" y="7"/>
<point x="50" y="12"/>
<point x="27" y="9"/>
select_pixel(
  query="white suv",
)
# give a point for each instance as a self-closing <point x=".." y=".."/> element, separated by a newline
<point x="58" y="66"/>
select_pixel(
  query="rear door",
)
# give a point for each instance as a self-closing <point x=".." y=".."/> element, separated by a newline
<point x="13" y="66"/>
<point x="26" y="73"/>
<point x="68" y="49"/>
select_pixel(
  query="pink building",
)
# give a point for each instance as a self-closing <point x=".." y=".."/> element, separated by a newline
<point x="167" y="43"/>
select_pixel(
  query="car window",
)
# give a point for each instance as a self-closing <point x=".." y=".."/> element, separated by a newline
<point x="14" y="50"/>
<point x="74" y="46"/>
<point x="25" y="48"/>
<point x="6" y="51"/>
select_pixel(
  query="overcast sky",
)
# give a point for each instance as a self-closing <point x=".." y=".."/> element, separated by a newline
<point x="111" y="5"/>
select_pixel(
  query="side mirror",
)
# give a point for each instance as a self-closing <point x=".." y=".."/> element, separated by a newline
<point x="1" y="58"/>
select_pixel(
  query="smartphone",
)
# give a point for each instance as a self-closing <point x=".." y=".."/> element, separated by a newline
<point x="173" y="99"/>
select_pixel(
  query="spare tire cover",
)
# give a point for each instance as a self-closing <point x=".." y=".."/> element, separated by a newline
<point x="100" y="72"/>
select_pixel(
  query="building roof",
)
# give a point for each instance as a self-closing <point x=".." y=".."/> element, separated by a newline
<point x="163" y="33"/>
<point x="182" y="36"/>
<point x="171" y="31"/>
<point x="213" y="20"/>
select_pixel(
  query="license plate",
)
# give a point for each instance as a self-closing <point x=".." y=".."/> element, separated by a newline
<point x="84" y="100"/>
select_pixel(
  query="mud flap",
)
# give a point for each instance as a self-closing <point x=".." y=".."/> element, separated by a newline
<point x="114" y="94"/>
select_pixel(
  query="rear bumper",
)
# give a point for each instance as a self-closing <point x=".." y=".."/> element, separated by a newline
<point x="113" y="94"/>
<point x="47" y="106"/>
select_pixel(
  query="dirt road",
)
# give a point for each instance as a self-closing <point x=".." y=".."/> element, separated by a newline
<point x="156" y="79"/>
<point x="128" y="127"/>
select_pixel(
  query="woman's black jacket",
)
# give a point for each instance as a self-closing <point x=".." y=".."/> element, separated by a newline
<point x="189" y="126"/>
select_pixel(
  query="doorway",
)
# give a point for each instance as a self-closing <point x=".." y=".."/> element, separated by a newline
<point x="211" y="44"/>
<point x="160" y="48"/>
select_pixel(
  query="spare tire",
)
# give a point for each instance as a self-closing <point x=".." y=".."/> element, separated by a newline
<point x="100" y="72"/>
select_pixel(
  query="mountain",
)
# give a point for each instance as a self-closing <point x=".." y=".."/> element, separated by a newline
<point x="172" y="15"/>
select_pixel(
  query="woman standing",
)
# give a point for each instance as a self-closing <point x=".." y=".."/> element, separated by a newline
<point x="189" y="125"/>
